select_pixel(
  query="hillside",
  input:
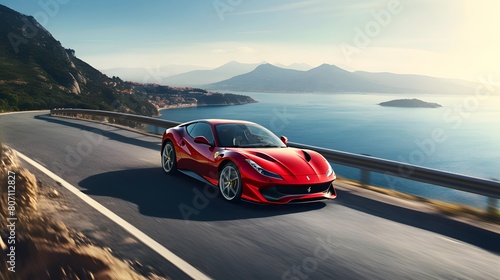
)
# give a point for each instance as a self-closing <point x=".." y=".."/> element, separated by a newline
<point x="37" y="72"/>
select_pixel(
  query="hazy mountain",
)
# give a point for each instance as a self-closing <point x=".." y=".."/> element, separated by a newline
<point x="265" y="77"/>
<point x="203" y="77"/>
<point x="151" y="75"/>
<point x="36" y="72"/>
<point x="418" y="83"/>
<point x="330" y="78"/>
<point x="324" y="78"/>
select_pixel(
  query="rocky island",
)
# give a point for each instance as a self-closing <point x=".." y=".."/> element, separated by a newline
<point x="409" y="103"/>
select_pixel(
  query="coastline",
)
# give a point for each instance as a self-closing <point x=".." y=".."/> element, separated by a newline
<point x="191" y="105"/>
<point x="176" y="106"/>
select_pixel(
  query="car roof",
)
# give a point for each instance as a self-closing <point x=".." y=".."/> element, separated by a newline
<point x="219" y="121"/>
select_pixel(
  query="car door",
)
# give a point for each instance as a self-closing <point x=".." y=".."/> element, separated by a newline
<point x="185" y="154"/>
<point x="201" y="156"/>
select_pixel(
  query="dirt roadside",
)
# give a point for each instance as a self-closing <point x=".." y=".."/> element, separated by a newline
<point x="37" y="245"/>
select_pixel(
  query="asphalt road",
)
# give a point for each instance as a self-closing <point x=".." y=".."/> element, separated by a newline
<point x="352" y="237"/>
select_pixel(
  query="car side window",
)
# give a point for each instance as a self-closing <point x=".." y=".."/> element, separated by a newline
<point x="201" y="129"/>
<point x="190" y="128"/>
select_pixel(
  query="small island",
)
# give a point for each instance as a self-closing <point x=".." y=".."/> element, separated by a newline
<point x="409" y="103"/>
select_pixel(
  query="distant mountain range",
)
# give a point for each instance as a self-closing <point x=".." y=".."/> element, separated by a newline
<point x="330" y="78"/>
<point x="324" y="78"/>
<point x="298" y="77"/>
<point x="190" y="75"/>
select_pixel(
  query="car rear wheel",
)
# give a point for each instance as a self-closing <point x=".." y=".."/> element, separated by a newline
<point x="230" y="182"/>
<point x="168" y="160"/>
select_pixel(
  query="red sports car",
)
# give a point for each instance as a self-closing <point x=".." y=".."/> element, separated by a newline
<point x="246" y="161"/>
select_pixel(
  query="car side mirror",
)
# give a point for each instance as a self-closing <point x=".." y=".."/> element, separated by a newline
<point x="284" y="140"/>
<point x="202" y="140"/>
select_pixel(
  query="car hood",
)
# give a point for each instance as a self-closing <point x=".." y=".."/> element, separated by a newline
<point x="288" y="161"/>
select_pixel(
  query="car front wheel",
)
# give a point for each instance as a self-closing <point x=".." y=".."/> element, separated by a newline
<point x="230" y="182"/>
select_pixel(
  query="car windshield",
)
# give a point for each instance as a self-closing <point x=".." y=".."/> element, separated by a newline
<point x="246" y="136"/>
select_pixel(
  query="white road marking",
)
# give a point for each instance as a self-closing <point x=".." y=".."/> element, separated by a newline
<point x="190" y="270"/>
<point x="148" y="160"/>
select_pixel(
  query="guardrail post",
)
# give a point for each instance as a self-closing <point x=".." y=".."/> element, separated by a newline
<point x="492" y="207"/>
<point x="365" y="177"/>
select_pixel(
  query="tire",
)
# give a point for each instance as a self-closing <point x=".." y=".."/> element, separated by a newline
<point x="168" y="158"/>
<point x="230" y="185"/>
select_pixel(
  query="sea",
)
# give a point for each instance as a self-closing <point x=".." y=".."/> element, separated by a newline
<point x="462" y="136"/>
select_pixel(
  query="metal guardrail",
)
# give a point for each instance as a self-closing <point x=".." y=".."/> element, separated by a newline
<point x="115" y="115"/>
<point x="451" y="180"/>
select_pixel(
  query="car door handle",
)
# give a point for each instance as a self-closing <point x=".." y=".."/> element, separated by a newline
<point x="183" y="143"/>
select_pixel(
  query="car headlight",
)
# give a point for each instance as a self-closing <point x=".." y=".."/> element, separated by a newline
<point x="262" y="171"/>
<point x="330" y="169"/>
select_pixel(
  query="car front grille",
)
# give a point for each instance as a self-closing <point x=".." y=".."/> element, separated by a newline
<point x="303" y="189"/>
<point x="274" y="193"/>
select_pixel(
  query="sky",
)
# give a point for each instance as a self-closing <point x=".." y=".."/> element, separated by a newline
<point x="443" y="38"/>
